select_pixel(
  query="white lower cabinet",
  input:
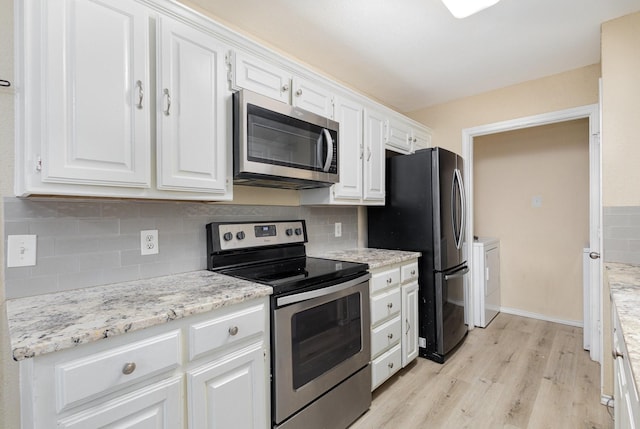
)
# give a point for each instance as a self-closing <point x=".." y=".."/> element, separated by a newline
<point x="394" y="319"/>
<point x="409" y="322"/>
<point x="158" y="406"/>
<point x="230" y="392"/>
<point x="625" y="393"/>
<point x="153" y="379"/>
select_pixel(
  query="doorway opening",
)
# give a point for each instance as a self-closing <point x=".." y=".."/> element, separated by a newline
<point x="592" y="317"/>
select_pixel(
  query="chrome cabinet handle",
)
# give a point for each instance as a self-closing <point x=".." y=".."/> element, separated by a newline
<point x="408" y="326"/>
<point x="299" y="92"/>
<point x="128" y="368"/>
<point x="413" y="272"/>
<point x="389" y="280"/>
<point x="140" y="94"/>
<point x="168" y="97"/>
<point x="361" y="152"/>
<point x="233" y="330"/>
<point x="390" y="365"/>
<point x="594" y="255"/>
<point x="390" y="336"/>
<point x="285" y="87"/>
<point x="369" y="154"/>
<point x="390" y="305"/>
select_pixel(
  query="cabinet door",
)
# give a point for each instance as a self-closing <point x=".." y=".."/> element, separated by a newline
<point x="191" y="110"/>
<point x="421" y="139"/>
<point x="159" y="406"/>
<point x="96" y="93"/>
<point x="230" y="392"/>
<point x="399" y="135"/>
<point x="349" y="114"/>
<point x="409" y="323"/>
<point x="259" y="76"/>
<point x="312" y="97"/>
<point x="374" y="170"/>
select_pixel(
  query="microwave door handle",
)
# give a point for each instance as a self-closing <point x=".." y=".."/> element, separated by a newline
<point x="329" y="140"/>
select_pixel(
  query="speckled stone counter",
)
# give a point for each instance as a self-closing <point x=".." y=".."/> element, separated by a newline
<point x="47" y="323"/>
<point x="376" y="258"/>
<point x="624" y="282"/>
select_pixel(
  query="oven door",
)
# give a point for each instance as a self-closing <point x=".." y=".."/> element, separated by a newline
<point x="320" y="338"/>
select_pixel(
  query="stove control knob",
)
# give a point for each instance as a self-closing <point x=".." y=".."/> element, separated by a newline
<point x="289" y="232"/>
<point x="240" y="235"/>
<point x="227" y="236"/>
<point x="298" y="231"/>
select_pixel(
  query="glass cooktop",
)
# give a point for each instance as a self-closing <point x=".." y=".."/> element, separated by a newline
<point x="297" y="274"/>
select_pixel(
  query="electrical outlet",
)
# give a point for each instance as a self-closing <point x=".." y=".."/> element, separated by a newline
<point x="21" y="250"/>
<point x="338" y="229"/>
<point x="149" y="242"/>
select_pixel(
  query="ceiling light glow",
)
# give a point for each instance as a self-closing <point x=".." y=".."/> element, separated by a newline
<point x="464" y="8"/>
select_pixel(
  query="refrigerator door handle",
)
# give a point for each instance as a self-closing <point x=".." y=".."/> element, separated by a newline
<point x="457" y="274"/>
<point x="458" y="232"/>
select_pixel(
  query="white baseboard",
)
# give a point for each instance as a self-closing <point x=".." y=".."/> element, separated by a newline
<point x="517" y="312"/>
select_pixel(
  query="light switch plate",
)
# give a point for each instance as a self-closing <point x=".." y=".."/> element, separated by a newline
<point x="21" y="251"/>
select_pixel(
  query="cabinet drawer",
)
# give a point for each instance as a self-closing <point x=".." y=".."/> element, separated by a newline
<point x="409" y="272"/>
<point x="386" y="335"/>
<point x="105" y="372"/>
<point x="385" y="366"/>
<point x="221" y="331"/>
<point x="385" y="305"/>
<point x="385" y="279"/>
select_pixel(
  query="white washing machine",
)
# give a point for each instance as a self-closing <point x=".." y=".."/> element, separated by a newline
<point x="486" y="279"/>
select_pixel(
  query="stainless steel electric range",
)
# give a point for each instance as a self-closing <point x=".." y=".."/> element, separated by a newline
<point x="320" y="321"/>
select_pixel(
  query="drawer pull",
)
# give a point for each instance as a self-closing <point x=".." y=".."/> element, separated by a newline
<point x="390" y="305"/>
<point x="390" y="365"/>
<point x="233" y="330"/>
<point x="389" y="280"/>
<point x="413" y="272"/>
<point x="128" y="368"/>
<point x="390" y="336"/>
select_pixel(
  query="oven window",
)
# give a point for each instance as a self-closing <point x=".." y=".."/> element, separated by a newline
<point x="324" y="336"/>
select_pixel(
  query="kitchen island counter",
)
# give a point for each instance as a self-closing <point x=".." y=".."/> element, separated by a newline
<point x="376" y="258"/>
<point x="48" y="323"/>
<point x="624" y="283"/>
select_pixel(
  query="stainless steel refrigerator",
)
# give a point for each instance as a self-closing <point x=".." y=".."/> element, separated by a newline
<point x="425" y="211"/>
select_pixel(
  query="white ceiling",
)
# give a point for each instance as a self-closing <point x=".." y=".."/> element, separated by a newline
<point x="412" y="54"/>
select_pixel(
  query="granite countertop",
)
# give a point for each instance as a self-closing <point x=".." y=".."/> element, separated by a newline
<point x="624" y="282"/>
<point x="376" y="258"/>
<point x="48" y="323"/>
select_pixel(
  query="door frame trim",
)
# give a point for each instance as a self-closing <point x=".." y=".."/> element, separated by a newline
<point x="592" y="113"/>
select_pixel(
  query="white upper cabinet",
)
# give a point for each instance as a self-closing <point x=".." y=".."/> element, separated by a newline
<point x="191" y="111"/>
<point x="95" y="93"/>
<point x="374" y="157"/>
<point x="349" y="115"/>
<point x="406" y="136"/>
<point x="312" y="97"/>
<point x="91" y="86"/>
<point x="399" y="135"/>
<point x="259" y="76"/>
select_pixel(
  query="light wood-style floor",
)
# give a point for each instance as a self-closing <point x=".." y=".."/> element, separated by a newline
<point x="516" y="373"/>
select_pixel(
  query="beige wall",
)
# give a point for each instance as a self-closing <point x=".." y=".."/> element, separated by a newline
<point x="621" y="111"/>
<point x="574" y="88"/>
<point x="541" y="248"/>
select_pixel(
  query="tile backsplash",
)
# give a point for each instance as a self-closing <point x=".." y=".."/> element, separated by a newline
<point x="622" y="234"/>
<point x="84" y="243"/>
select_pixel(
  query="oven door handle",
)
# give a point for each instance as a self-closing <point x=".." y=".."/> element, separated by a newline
<point x="299" y="297"/>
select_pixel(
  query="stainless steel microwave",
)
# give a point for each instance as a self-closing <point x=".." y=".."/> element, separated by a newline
<point x="277" y="145"/>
